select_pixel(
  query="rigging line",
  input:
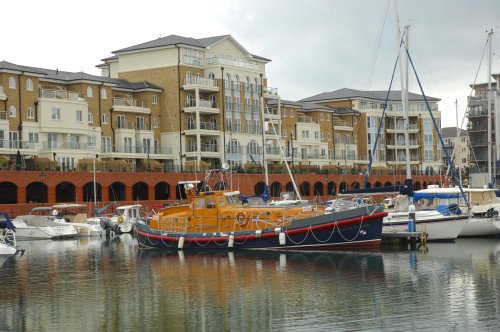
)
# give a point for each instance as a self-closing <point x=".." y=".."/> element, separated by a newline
<point x="453" y="171"/>
<point x="378" y="42"/>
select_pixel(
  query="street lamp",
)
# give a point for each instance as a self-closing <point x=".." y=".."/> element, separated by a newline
<point x="42" y="177"/>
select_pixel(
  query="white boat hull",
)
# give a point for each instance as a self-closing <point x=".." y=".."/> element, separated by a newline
<point x="437" y="228"/>
<point x="481" y="227"/>
<point x="88" y="229"/>
<point x="49" y="232"/>
<point x="7" y="250"/>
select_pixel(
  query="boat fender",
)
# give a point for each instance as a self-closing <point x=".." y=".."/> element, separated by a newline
<point x="258" y="233"/>
<point x="230" y="243"/>
<point x="120" y="219"/>
<point x="180" y="245"/>
<point x="282" y="238"/>
<point x="277" y="230"/>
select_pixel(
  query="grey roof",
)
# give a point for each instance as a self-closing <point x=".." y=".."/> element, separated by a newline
<point x="449" y="132"/>
<point x="347" y="93"/>
<point x="305" y="106"/>
<point x="70" y="77"/>
<point x="173" y="40"/>
<point x="11" y="66"/>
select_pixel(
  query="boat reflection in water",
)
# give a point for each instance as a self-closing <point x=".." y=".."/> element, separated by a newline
<point x="92" y="284"/>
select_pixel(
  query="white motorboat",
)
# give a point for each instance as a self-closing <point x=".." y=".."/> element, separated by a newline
<point x="439" y="225"/>
<point x="38" y="225"/>
<point x="124" y="219"/>
<point x="8" y="245"/>
<point x="76" y="215"/>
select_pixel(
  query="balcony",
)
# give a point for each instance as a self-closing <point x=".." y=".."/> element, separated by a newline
<point x="200" y="83"/>
<point x="270" y="93"/>
<point x="130" y="105"/>
<point x="209" y="147"/>
<point x="60" y="94"/>
<point x="305" y="119"/>
<point x="204" y="128"/>
<point x="203" y="106"/>
<point x="342" y="125"/>
<point x="17" y="145"/>
<point x="238" y="63"/>
<point x="68" y="145"/>
<point x="253" y="129"/>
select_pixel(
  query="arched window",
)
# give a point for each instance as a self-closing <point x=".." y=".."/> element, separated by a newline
<point x="12" y="111"/>
<point x="235" y="146"/>
<point x="213" y="123"/>
<point x="30" y="113"/>
<point x="247" y="85"/>
<point x="213" y="101"/>
<point x="227" y="82"/>
<point x="237" y="82"/>
<point x="90" y="92"/>
<point x="189" y="78"/>
<point x="213" y="145"/>
<point x="256" y="85"/>
<point x="191" y="145"/>
<point x="190" y="123"/>
<point x="198" y="79"/>
<point x="253" y="147"/>
<point x="12" y="82"/>
<point x="104" y="94"/>
<point x="190" y="100"/>
<point x="29" y="84"/>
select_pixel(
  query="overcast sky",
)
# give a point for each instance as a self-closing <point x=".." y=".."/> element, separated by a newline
<point x="315" y="45"/>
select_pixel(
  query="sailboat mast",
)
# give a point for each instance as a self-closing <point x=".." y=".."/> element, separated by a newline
<point x="457" y="140"/>
<point x="404" y="86"/>
<point x="488" y="100"/>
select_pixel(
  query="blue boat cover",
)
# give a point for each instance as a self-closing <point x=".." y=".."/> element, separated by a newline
<point x="5" y="222"/>
<point x="418" y="196"/>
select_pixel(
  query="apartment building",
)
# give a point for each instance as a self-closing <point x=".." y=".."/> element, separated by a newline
<point x="457" y="145"/>
<point x="389" y="134"/>
<point x="484" y="148"/>
<point x="66" y="117"/>
<point x="212" y="104"/>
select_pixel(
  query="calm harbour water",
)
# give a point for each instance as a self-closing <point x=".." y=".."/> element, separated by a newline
<point x="99" y="284"/>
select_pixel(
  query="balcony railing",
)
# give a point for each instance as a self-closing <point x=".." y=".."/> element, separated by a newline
<point x="66" y="145"/>
<point x="200" y="81"/>
<point x="209" y="147"/>
<point x="60" y="94"/>
<point x="131" y="125"/>
<point x="305" y="119"/>
<point x="240" y="63"/>
<point x="341" y="123"/>
<point x="234" y="149"/>
<point x="270" y="91"/>
<point x="201" y="103"/>
<point x="130" y="102"/>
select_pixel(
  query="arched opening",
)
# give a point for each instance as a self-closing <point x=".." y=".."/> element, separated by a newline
<point x="342" y="187"/>
<point x="416" y="186"/>
<point x="116" y="192"/>
<point x="368" y="185"/>
<point x="275" y="189"/>
<point x="9" y="193"/>
<point x="140" y="191"/>
<point x="318" y="189"/>
<point x="332" y="188"/>
<point x="88" y="192"/>
<point x="305" y="189"/>
<point x="65" y="192"/>
<point x="378" y="184"/>
<point x="355" y="185"/>
<point x="388" y="184"/>
<point x="37" y="192"/>
<point x="259" y="188"/>
<point x="424" y="185"/>
<point x="289" y="187"/>
<point x="162" y="191"/>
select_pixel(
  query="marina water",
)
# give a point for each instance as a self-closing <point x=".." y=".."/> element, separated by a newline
<point x="104" y="284"/>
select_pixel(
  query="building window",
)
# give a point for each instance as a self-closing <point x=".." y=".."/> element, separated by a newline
<point x="328" y="117"/>
<point x="90" y="92"/>
<point x="104" y="94"/>
<point x="33" y="137"/>
<point x="79" y="116"/>
<point x="322" y="117"/>
<point x="120" y="121"/>
<point x="154" y="123"/>
<point x="90" y="117"/>
<point x="105" y="118"/>
<point x="12" y="111"/>
<point x="292" y="113"/>
<point x="56" y="113"/>
<point x="154" y="99"/>
<point x="12" y="82"/>
<point x="29" y="84"/>
<point x="31" y="114"/>
<point x="140" y="123"/>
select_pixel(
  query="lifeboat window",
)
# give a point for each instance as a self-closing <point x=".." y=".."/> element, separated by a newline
<point x="210" y="203"/>
<point x="200" y="203"/>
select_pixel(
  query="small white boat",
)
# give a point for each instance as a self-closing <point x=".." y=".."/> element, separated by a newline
<point x="40" y="226"/>
<point x="8" y="245"/>
<point x="124" y="219"/>
<point x="76" y="215"/>
<point x="438" y="225"/>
